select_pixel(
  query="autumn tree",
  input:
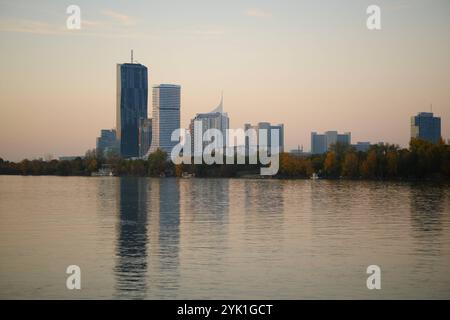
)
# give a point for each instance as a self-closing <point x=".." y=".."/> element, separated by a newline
<point x="350" y="166"/>
<point x="330" y="165"/>
<point x="392" y="163"/>
<point x="369" y="166"/>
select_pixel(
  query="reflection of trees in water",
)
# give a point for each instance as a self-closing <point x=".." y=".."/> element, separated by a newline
<point x="264" y="212"/>
<point x="206" y="206"/>
<point x="427" y="206"/>
<point x="264" y="196"/>
<point x="332" y="202"/>
<point x="131" y="250"/>
<point x="208" y="197"/>
<point x="342" y="202"/>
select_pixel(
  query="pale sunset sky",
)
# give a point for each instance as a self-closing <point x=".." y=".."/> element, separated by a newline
<point x="312" y="65"/>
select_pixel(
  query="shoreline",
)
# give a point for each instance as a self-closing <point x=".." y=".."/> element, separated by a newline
<point x="248" y="177"/>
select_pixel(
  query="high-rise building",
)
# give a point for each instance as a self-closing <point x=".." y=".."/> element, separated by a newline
<point x="132" y="95"/>
<point x="320" y="143"/>
<point x="145" y="136"/>
<point x="425" y="126"/>
<point x="166" y="116"/>
<point x="362" y="146"/>
<point x="107" y="142"/>
<point x="267" y="126"/>
<point x="216" y="119"/>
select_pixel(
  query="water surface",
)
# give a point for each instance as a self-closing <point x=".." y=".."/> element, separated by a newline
<point x="222" y="238"/>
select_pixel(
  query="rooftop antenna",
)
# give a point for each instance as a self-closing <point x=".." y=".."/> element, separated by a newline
<point x="131" y="55"/>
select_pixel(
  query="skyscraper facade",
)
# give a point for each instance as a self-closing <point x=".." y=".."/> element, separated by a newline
<point x="107" y="142"/>
<point x="425" y="126"/>
<point x="362" y="146"/>
<point x="166" y="116"/>
<point x="216" y="119"/>
<point x="321" y="143"/>
<point x="132" y="96"/>
<point x="268" y="127"/>
<point x="145" y="136"/>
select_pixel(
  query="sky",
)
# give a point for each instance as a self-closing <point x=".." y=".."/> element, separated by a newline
<point x="312" y="65"/>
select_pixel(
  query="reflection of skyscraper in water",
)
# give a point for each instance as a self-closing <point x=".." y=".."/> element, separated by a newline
<point x="131" y="251"/>
<point x="164" y="238"/>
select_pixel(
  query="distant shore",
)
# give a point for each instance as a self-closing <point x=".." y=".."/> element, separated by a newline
<point x="422" y="161"/>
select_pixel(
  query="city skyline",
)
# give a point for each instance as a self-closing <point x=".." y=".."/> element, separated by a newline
<point x="316" y="65"/>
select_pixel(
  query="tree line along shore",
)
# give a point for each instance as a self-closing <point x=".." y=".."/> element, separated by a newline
<point x="421" y="160"/>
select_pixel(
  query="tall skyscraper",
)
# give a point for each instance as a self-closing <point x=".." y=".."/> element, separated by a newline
<point x="166" y="116"/>
<point x="132" y="95"/>
<point x="216" y="119"/>
<point x="425" y="126"/>
<point x="320" y="143"/>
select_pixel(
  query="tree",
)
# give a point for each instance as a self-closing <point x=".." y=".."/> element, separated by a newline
<point x="392" y="163"/>
<point x="24" y="167"/>
<point x="350" y="166"/>
<point x="369" y="166"/>
<point x="330" y="165"/>
<point x="179" y="169"/>
<point x="157" y="163"/>
<point x="92" y="165"/>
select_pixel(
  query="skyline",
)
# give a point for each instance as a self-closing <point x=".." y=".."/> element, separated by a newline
<point x="317" y="71"/>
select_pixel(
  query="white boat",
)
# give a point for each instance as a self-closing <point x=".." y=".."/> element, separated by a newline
<point x="315" y="176"/>
<point x="104" y="171"/>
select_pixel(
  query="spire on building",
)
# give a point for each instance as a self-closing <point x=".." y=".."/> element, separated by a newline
<point x="219" y="108"/>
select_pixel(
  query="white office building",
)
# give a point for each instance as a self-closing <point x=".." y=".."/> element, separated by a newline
<point x="166" y="116"/>
<point x="216" y="119"/>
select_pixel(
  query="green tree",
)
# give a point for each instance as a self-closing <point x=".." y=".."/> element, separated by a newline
<point x="157" y="163"/>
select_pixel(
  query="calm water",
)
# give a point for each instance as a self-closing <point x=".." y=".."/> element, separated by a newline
<point x="220" y="238"/>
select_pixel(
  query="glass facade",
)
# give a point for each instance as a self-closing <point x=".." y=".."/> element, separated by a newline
<point x="425" y="126"/>
<point x="132" y="96"/>
<point x="321" y="143"/>
<point x="106" y="142"/>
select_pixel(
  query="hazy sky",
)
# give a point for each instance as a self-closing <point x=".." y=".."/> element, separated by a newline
<point x="312" y="65"/>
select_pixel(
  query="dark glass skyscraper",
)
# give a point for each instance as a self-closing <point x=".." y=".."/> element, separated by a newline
<point x="132" y="96"/>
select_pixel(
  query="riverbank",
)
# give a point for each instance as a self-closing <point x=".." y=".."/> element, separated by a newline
<point x="422" y="161"/>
